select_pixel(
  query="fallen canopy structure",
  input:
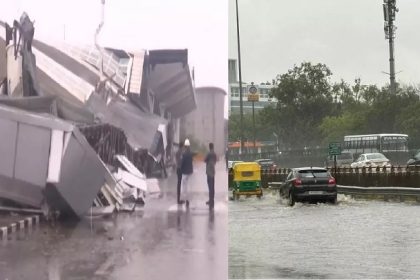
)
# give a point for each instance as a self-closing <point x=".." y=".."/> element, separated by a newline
<point x="133" y="113"/>
<point x="39" y="149"/>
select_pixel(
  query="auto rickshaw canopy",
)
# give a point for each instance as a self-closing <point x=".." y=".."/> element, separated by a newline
<point x="247" y="171"/>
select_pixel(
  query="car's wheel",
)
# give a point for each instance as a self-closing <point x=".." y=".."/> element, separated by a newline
<point x="333" y="200"/>
<point x="291" y="199"/>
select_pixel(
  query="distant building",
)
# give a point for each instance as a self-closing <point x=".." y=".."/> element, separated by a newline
<point x="233" y="95"/>
<point x="232" y="73"/>
<point x="207" y="124"/>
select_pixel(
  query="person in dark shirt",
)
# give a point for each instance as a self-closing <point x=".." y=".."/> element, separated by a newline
<point x="178" y="158"/>
<point x="211" y="160"/>
<point x="186" y="170"/>
<point x="227" y="158"/>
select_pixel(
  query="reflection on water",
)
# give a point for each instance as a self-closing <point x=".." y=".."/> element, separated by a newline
<point x="353" y="239"/>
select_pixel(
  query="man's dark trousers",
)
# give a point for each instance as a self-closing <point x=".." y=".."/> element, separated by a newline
<point x="178" y="186"/>
<point x="210" y="183"/>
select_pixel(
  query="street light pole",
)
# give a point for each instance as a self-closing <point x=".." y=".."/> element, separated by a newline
<point x="240" y="81"/>
<point x="390" y="10"/>
<point x="253" y="125"/>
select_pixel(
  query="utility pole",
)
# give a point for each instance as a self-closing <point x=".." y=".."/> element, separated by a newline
<point x="390" y="9"/>
<point x="240" y="81"/>
<point x="253" y="96"/>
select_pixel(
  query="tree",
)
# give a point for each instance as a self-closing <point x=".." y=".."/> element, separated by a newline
<point x="409" y="122"/>
<point x="304" y="97"/>
<point x="333" y="128"/>
<point x="235" y="127"/>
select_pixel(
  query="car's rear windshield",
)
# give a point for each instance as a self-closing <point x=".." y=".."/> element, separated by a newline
<point x="375" y="156"/>
<point x="317" y="173"/>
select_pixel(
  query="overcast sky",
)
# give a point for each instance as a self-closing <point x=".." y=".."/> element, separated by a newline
<point x="346" y="35"/>
<point x="199" y="25"/>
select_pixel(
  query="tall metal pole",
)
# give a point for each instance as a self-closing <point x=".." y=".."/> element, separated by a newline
<point x="253" y="125"/>
<point x="389" y="16"/>
<point x="240" y="80"/>
<point x="391" y="51"/>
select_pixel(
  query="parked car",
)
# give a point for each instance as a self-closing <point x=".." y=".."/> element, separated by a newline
<point x="266" y="164"/>
<point x="371" y="160"/>
<point x="415" y="160"/>
<point x="314" y="184"/>
<point x="343" y="160"/>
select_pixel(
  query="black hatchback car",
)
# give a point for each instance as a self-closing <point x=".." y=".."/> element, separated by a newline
<point x="311" y="184"/>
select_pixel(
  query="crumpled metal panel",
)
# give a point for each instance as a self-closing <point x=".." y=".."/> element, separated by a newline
<point x="24" y="152"/>
<point x="2" y="59"/>
<point x="170" y="80"/>
<point x="139" y="127"/>
<point x="82" y="176"/>
<point x="51" y="105"/>
<point x="21" y="192"/>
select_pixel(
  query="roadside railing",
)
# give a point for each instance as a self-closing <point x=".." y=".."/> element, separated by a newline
<point x="393" y="176"/>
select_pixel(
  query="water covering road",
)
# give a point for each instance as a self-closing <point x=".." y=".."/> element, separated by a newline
<point x="159" y="242"/>
<point x="353" y="239"/>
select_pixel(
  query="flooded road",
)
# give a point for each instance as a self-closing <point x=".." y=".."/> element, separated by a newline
<point x="158" y="242"/>
<point x="353" y="239"/>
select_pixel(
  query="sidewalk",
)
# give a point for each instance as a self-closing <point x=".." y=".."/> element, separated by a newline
<point x="158" y="242"/>
<point x="198" y="186"/>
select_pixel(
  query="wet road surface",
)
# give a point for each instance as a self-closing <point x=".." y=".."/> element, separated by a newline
<point x="158" y="242"/>
<point x="353" y="239"/>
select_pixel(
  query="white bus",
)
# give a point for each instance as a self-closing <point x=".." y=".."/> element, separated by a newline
<point x="376" y="143"/>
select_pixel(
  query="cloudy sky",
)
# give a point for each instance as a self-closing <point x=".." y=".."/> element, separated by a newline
<point x="346" y="35"/>
<point x="199" y="25"/>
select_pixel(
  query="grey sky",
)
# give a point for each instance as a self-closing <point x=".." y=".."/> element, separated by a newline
<point x="346" y="35"/>
<point x="199" y="25"/>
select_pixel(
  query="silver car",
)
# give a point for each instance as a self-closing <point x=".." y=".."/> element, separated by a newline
<point x="371" y="160"/>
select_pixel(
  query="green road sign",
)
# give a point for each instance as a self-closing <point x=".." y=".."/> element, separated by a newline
<point x="334" y="149"/>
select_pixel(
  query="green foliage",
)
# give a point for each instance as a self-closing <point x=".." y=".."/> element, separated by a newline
<point x="313" y="111"/>
<point x="333" y="128"/>
<point x="409" y="121"/>
<point x="262" y="130"/>
<point x="304" y="97"/>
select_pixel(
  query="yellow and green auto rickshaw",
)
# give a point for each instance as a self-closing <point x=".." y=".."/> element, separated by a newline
<point x="246" y="179"/>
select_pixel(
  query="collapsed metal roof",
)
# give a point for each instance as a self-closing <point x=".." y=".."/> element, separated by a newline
<point x="68" y="62"/>
<point x="170" y="80"/>
<point x="139" y="127"/>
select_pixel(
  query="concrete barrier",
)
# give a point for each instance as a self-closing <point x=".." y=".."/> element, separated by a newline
<point x="382" y="193"/>
<point x="24" y="223"/>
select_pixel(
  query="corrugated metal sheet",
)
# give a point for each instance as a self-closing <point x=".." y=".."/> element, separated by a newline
<point x="136" y="73"/>
<point x="139" y="127"/>
<point x="171" y="81"/>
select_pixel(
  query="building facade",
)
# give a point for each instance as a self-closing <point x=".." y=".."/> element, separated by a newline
<point x="263" y="90"/>
<point x="207" y="124"/>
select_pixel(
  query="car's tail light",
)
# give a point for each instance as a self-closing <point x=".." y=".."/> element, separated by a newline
<point x="331" y="182"/>
<point x="297" y="182"/>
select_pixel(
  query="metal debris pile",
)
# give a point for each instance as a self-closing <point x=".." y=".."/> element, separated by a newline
<point x="67" y="155"/>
